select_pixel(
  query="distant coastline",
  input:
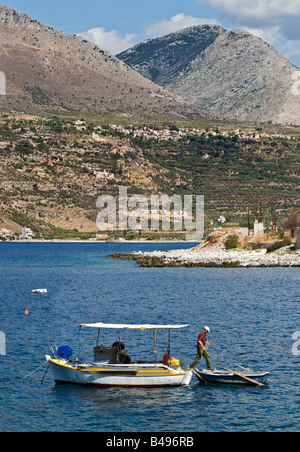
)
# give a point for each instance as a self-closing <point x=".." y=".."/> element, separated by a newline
<point x="93" y="241"/>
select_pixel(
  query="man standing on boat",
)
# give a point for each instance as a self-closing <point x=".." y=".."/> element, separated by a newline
<point x="202" y="349"/>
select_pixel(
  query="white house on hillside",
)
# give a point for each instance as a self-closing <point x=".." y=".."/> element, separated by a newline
<point x="27" y="234"/>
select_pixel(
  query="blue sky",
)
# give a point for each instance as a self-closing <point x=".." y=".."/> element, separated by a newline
<point x="116" y="25"/>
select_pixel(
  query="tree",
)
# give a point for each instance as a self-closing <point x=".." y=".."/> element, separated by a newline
<point x="232" y="242"/>
<point x="24" y="148"/>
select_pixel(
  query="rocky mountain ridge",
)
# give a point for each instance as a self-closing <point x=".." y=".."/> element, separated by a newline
<point x="161" y="58"/>
<point x="232" y="73"/>
<point x="49" y="70"/>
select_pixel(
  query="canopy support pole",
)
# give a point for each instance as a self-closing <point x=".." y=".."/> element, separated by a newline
<point x="98" y="336"/>
<point x="79" y="344"/>
<point x="154" y="335"/>
<point x="169" y="343"/>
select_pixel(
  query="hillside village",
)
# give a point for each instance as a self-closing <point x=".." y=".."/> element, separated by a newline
<point x="54" y="168"/>
<point x="179" y="133"/>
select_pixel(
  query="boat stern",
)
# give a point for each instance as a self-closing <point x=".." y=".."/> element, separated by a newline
<point x="186" y="381"/>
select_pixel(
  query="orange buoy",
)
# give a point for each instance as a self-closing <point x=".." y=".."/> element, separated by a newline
<point x="26" y="312"/>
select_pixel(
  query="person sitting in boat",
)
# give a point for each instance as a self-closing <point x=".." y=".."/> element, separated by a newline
<point x="118" y="351"/>
<point x="167" y="359"/>
<point x="202" y="346"/>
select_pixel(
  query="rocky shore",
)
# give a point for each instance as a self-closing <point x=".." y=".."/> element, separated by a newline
<point x="233" y="259"/>
<point x="213" y="253"/>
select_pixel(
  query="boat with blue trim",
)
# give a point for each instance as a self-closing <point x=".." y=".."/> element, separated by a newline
<point x="231" y="377"/>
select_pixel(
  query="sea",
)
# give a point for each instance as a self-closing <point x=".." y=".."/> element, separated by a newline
<point x="253" y="314"/>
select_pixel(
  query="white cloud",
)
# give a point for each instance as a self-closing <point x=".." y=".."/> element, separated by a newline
<point x="271" y="34"/>
<point x="110" y="41"/>
<point x="261" y="14"/>
<point x="253" y="12"/>
<point x="176" y="23"/>
<point x="291" y="49"/>
<point x="274" y="36"/>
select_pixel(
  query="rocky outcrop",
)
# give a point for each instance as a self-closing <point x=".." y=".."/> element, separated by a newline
<point x="223" y="259"/>
<point x="213" y="253"/>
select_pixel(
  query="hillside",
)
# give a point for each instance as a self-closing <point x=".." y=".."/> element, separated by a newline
<point x="47" y="70"/>
<point x="162" y="58"/>
<point x="52" y="170"/>
<point x="232" y="74"/>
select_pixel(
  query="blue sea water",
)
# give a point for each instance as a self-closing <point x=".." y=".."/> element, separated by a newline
<point x="253" y="314"/>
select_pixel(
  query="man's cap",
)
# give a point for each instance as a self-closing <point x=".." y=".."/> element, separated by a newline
<point x="207" y="328"/>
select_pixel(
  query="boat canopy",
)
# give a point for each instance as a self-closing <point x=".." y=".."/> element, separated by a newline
<point x="133" y="327"/>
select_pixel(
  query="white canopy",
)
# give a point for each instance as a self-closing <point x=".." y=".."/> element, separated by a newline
<point x="133" y="327"/>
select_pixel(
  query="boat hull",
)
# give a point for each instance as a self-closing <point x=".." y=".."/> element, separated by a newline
<point x="230" y="378"/>
<point x="117" y="376"/>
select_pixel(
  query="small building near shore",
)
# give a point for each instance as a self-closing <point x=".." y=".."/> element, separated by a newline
<point x="27" y="234"/>
<point x="258" y="228"/>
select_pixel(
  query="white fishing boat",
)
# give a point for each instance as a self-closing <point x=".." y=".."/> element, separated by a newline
<point x="113" y="367"/>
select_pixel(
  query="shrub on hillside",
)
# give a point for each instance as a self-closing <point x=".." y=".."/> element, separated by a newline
<point x="277" y="245"/>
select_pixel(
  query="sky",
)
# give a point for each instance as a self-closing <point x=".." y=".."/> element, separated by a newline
<point x="116" y="25"/>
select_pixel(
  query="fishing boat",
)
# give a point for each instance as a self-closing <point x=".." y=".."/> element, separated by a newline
<point x="113" y="367"/>
<point x="231" y="377"/>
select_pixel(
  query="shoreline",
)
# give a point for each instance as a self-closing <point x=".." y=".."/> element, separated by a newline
<point x="217" y="259"/>
<point x="96" y="241"/>
<point x="193" y="258"/>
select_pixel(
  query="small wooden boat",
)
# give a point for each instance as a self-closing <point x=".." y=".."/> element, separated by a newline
<point x="232" y="377"/>
<point x="112" y="367"/>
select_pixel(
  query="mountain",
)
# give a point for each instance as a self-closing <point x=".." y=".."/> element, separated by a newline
<point x="229" y="73"/>
<point x="49" y="70"/>
<point x="162" y="58"/>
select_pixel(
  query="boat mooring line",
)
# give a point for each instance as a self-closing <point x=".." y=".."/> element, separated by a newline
<point x="43" y="379"/>
<point x="31" y="373"/>
<point x="200" y="376"/>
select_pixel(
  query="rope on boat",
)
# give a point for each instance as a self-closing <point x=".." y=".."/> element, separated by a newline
<point x="199" y="376"/>
<point x="31" y="373"/>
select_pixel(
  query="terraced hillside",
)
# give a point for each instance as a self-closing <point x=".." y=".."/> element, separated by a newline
<point x="52" y="171"/>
